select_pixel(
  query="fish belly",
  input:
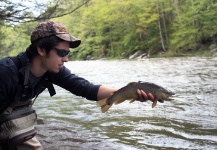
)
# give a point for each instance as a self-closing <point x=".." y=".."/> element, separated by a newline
<point x="120" y="97"/>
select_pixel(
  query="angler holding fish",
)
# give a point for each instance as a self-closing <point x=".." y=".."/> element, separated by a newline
<point x="25" y="76"/>
<point x="130" y="92"/>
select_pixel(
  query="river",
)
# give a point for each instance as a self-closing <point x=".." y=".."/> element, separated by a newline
<point x="68" y="122"/>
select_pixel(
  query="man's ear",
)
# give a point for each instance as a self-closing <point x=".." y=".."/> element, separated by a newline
<point x="41" y="52"/>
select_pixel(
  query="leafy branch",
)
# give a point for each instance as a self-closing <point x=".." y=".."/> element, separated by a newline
<point x="19" y="13"/>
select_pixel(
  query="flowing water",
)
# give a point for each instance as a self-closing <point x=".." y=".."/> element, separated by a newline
<point x="68" y="122"/>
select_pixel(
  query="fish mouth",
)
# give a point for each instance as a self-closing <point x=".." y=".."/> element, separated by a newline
<point x="162" y="100"/>
<point x="169" y="99"/>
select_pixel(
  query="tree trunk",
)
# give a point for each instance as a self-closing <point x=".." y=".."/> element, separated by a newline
<point x="177" y="9"/>
<point x="159" y="26"/>
<point x="164" y="24"/>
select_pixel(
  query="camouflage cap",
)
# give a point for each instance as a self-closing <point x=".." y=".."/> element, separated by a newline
<point x="49" y="28"/>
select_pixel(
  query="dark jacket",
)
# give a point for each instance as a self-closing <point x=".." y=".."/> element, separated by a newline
<point x="9" y="79"/>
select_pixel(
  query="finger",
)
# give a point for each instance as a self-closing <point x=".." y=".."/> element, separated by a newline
<point x="139" y="95"/>
<point x="151" y="97"/>
<point x="144" y="96"/>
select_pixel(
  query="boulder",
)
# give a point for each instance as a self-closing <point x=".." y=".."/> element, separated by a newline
<point x="212" y="46"/>
<point x="135" y="55"/>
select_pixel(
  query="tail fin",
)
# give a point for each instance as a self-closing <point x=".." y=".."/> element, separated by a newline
<point x="103" y="104"/>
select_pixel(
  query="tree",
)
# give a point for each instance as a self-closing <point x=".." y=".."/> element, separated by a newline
<point x="14" y="14"/>
<point x="32" y="10"/>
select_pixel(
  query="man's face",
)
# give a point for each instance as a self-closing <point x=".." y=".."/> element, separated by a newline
<point x="56" y="58"/>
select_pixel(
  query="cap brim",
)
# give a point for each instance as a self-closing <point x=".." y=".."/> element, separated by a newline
<point x="73" y="41"/>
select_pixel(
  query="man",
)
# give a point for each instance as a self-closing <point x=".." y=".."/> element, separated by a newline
<point x="25" y="76"/>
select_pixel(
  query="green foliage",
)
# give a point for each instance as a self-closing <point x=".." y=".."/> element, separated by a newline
<point x="194" y="23"/>
<point x="18" y="38"/>
<point x="118" y="28"/>
<point x="2" y="36"/>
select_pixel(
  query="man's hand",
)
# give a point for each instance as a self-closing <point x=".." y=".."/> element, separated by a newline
<point x="144" y="97"/>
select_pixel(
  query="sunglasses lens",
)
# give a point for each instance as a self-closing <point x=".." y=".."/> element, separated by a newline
<point x="61" y="52"/>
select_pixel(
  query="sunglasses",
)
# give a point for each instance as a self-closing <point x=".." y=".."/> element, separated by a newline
<point x="62" y="52"/>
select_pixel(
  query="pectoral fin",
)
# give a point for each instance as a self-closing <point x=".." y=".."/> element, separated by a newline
<point x="154" y="103"/>
<point x="105" y="108"/>
<point x="103" y="104"/>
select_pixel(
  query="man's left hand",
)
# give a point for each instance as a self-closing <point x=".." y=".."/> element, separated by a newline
<point x="144" y="97"/>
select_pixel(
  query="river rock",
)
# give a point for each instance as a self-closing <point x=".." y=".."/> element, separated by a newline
<point x="144" y="55"/>
<point x="214" y="52"/>
<point x="135" y="55"/>
<point x="212" y="46"/>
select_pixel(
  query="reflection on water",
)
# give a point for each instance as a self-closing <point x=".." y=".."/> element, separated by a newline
<point x="189" y="122"/>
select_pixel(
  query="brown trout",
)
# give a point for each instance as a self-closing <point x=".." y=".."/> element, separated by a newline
<point x="129" y="92"/>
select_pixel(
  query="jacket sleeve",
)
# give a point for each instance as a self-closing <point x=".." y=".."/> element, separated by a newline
<point x="75" y="84"/>
<point x="8" y="82"/>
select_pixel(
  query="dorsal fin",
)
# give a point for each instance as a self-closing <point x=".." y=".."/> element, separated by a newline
<point x="131" y="83"/>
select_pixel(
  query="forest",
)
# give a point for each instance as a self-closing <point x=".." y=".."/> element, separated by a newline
<point x="115" y="29"/>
